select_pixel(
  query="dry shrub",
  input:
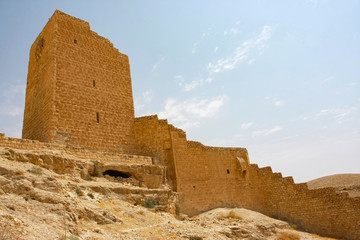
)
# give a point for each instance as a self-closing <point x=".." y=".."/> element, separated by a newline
<point x="195" y="238"/>
<point x="233" y="214"/>
<point x="36" y="170"/>
<point x="287" y="236"/>
<point x="19" y="172"/>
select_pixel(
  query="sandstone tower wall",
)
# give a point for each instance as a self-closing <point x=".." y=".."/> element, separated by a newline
<point x="83" y="95"/>
<point x="39" y="104"/>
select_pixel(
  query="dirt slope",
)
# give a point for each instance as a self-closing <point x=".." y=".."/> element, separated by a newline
<point x="349" y="183"/>
<point x="38" y="203"/>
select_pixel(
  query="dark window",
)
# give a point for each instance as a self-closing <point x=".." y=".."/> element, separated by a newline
<point x="194" y="187"/>
<point x="114" y="173"/>
<point x="228" y="171"/>
<point x="75" y="41"/>
<point x="93" y="83"/>
<point x="97" y="117"/>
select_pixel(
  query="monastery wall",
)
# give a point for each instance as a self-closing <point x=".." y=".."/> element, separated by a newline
<point x="153" y="138"/>
<point x="322" y="211"/>
<point x="210" y="177"/>
<point x="207" y="177"/>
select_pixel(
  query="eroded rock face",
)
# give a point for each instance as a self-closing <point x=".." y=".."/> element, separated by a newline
<point x="40" y="201"/>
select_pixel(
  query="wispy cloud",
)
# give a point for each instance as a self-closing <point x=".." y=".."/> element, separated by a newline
<point x="247" y="125"/>
<point x="338" y="113"/>
<point x="202" y="38"/>
<point x="189" y="113"/>
<point x="325" y="80"/>
<point x="188" y="86"/>
<point x="231" y="31"/>
<point x="316" y="1"/>
<point x="275" y="101"/>
<point x="148" y="95"/>
<point x="140" y="102"/>
<point x="266" y="132"/>
<point x="155" y="65"/>
<point x="11" y="110"/>
<point x="216" y="49"/>
<point x="242" y="53"/>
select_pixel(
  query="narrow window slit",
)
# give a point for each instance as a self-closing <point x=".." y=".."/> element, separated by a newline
<point x="93" y="83"/>
<point x="75" y="41"/>
<point x="228" y="171"/>
<point x="97" y="117"/>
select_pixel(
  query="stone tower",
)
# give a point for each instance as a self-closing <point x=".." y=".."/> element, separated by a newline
<point x="78" y="88"/>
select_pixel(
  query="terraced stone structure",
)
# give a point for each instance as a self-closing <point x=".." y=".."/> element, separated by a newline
<point x="79" y="96"/>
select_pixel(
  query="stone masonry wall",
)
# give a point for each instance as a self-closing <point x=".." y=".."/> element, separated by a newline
<point x="153" y="138"/>
<point x="210" y="177"/>
<point x="90" y="94"/>
<point x="99" y="156"/>
<point x="39" y="108"/>
<point x="322" y="211"/>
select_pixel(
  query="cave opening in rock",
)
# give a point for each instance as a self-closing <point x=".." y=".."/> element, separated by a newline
<point x="115" y="173"/>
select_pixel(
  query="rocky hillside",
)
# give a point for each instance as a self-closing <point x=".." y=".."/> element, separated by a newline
<point x="53" y="203"/>
<point x="349" y="183"/>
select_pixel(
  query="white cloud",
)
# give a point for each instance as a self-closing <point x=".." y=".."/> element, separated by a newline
<point x="193" y="84"/>
<point x="266" y="132"/>
<point x="353" y="84"/>
<point x="338" y="113"/>
<point x="231" y="31"/>
<point x="245" y="126"/>
<point x="251" y="61"/>
<point x="216" y="49"/>
<point x="242" y="52"/>
<point x="188" y="114"/>
<point x="20" y="88"/>
<point x="316" y="1"/>
<point x="276" y="102"/>
<point x="11" y="110"/>
<point x="327" y="79"/>
<point x="155" y="65"/>
<point x="146" y="97"/>
<point x="203" y="36"/>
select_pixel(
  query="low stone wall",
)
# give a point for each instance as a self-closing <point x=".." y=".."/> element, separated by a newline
<point x="74" y="151"/>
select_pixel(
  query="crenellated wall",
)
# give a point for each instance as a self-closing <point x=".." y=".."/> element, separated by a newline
<point x="210" y="177"/>
<point x="322" y="211"/>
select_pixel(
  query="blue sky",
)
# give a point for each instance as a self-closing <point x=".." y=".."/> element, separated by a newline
<point x="281" y="78"/>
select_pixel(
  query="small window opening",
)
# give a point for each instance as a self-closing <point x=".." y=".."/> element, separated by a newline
<point x="193" y="187"/>
<point x="75" y="41"/>
<point x="228" y="171"/>
<point x="93" y="83"/>
<point x="97" y="117"/>
<point x="116" y="174"/>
